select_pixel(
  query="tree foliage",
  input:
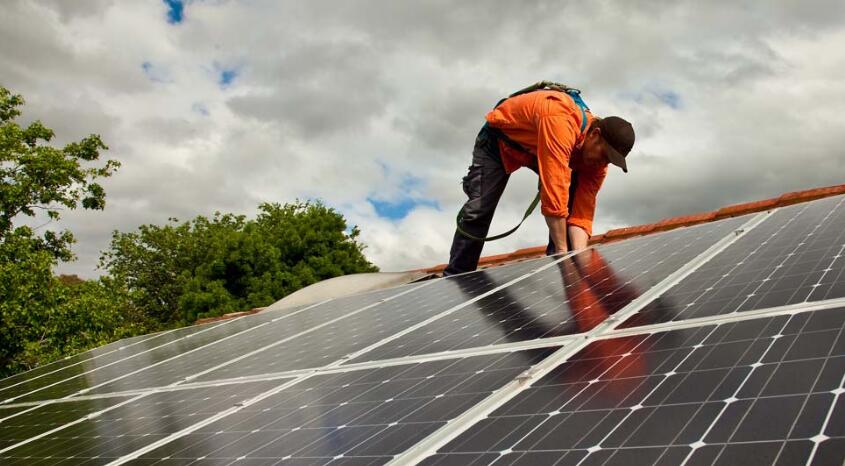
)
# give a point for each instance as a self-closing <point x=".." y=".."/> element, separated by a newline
<point x="36" y="177"/>
<point x="206" y="267"/>
<point x="42" y="319"/>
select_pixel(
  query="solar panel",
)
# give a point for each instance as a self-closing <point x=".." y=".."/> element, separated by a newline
<point x="122" y="427"/>
<point x="82" y="363"/>
<point x="168" y="364"/>
<point x="356" y="332"/>
<point x="113" y="349"/>
<point x="360" y="416"/>
<point x="95" y="371"/>
<point x="36" y="420"/>
<point x="571" y="297"/>
<point x="519" y="364"/>
<point x="796" y="255"/>
<point x="153" y="367"/>
<point x="755" y="392"/>
<point x="287" y="326"/>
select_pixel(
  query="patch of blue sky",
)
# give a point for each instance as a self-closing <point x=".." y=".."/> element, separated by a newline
<point x="410" y="183"/>
<point x="400" y="201"/>
<point x="224" y="75"/>
<point x="669" y="97"/>
<point x="227" y="76"/>
<point x="154" y="73"/>
<point x="175" y="11"/>
<point x="399" y="209"/>
<point x="661" y="93"/>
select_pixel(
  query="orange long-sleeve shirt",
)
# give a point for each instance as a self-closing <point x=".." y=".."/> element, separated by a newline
<point x="548" y="125"/>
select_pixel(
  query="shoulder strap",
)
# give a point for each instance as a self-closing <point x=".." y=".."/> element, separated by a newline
<point x="574" y="94"/>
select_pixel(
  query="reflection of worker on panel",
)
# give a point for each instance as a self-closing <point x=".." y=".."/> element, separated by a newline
<point x="594" y="292"/>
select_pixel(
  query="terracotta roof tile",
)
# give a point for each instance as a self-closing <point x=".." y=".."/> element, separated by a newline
<point x="810" y="194"/>
<point x="628" y="231"/>
<point x="745" y="208"/>
<point x="684" y="220"/>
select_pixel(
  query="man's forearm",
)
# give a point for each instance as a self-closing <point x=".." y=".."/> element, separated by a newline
<point x="557" y="230"/>
<point x="578" y="237"/>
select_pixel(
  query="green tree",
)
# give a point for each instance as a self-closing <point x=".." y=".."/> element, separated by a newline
<point x="42" y="319"/>
<point x="36" y="177"/>
<point x="206" y="267"/>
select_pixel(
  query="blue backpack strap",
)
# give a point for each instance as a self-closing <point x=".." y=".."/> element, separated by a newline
<point x="575" y="94"/>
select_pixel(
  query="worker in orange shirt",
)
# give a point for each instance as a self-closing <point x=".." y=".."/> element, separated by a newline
<point x="552" y="132"/>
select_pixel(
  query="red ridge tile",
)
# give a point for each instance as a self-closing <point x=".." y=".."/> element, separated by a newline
<point x="684" y="221"/>
<point x="745" y="208"/>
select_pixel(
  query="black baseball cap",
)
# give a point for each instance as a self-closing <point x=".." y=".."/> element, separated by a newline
<point x="618" y="136"/>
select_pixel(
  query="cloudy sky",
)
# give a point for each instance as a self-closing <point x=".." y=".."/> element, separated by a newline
<point x="373" y="106"/>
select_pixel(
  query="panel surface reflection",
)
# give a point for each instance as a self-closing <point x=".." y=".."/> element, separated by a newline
<point x="763" y="391"/>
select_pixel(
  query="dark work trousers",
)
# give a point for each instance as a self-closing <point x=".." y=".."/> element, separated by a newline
<point x="484" y="184"/>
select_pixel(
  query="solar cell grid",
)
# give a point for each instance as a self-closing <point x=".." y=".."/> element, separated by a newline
<point x="82" y="363"/>
<point x="570" y="297"/>
<point x="37" y="420"/>
<point x="171" y="363"/>
<point x="360" y="416"/>
<point x="794" y="256"/>
<point x="762" y="391"/>
<point x="95" y="374"/>
<point x="175" y="369"/>
<point x="358" y="331"/>
<point x="124" y="429"/>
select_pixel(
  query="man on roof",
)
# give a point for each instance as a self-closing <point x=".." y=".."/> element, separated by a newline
<point x="549" y="129"/>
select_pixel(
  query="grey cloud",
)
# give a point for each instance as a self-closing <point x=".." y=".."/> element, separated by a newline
<point x="444" y="30"/>
<point x="71" y="10"/>
<point x="170" y="130"/>
<point x="32" y="49"/>
<point x="446" y="121"/>
<point x="317" y="88"/>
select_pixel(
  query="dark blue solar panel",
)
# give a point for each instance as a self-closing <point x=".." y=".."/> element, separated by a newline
<point x="570" y="297"/>
<point x="797" y="255"/>
<point x="763" y="391"/>
<point x="364" y="416"/>
<point x="358" y="331"/>
<point x="125" y="428"/>
<point x="35" y="420"/>
<point x="82" y="363"/>
<point x="170" y="363"/>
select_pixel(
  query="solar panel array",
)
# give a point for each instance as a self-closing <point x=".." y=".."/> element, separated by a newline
<point x="722" y="343"/>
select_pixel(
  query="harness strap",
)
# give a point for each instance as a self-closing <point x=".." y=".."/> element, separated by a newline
<point x="528" y="212"/>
